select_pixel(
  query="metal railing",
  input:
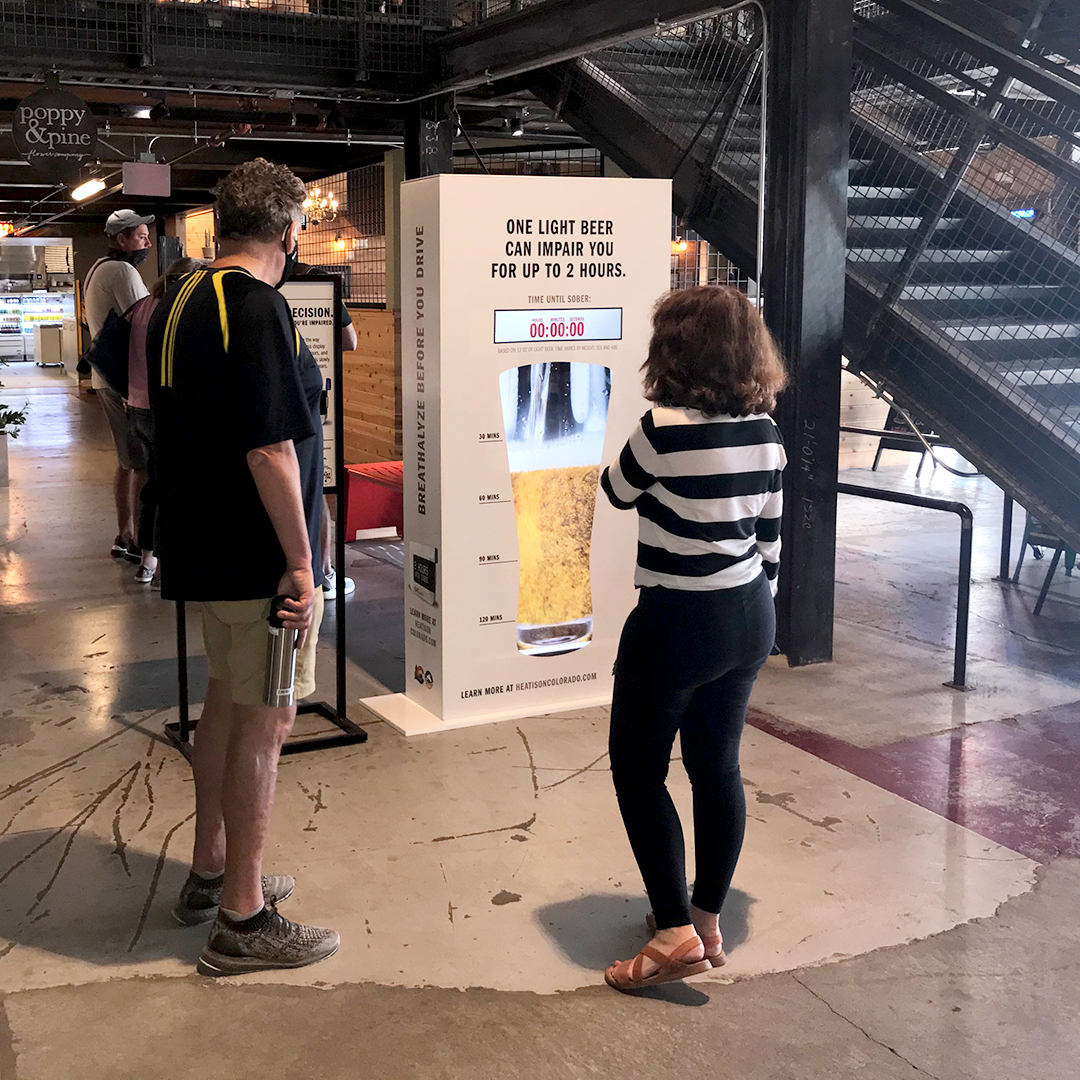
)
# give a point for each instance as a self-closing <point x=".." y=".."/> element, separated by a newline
<point x="963" y="592"/>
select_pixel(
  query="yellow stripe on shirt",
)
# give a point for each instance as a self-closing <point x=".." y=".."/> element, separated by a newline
<point x="171" y="326"/>
<point x="223" y="314"/>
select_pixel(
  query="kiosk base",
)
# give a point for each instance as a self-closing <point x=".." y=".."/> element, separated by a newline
<point x="406" y="716"/>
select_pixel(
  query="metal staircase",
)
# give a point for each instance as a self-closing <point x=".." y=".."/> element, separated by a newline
<point x="963" y="278"/>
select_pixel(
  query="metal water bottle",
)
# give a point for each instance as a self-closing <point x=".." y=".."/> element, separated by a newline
<point x="280" y="659"/>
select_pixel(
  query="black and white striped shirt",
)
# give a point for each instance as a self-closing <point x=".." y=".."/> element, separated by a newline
<point x="708" y="496"/>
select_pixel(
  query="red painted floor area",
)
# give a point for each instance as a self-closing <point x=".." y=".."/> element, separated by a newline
<point x="1014" y="781"/>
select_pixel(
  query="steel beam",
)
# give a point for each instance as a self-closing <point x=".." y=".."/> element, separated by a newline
<point x="429" y="138"/>
<point x="548" y="33"/>
<point x="803" y="283"/>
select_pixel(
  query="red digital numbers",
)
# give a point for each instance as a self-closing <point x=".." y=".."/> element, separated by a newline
<point x="557" y="328"/>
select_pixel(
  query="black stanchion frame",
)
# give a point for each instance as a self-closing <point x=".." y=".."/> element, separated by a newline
<point x="179" y="733"/>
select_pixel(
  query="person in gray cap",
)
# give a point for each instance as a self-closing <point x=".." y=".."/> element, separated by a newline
<point x="113" y="283"/>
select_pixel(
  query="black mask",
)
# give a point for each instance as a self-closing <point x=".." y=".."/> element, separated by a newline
<point x="136" y="258"/>
<point x="290" y="261"/>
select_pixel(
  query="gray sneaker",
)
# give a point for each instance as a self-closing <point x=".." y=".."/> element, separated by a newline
<point x="265" y="941"/>
<point x="199" y="898"/>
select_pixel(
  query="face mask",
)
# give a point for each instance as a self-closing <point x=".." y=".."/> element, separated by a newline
<point x="136" y="258"/>
<point x="291" y="258"/>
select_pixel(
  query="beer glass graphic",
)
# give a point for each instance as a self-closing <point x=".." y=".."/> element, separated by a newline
<point x="554" y="416"/>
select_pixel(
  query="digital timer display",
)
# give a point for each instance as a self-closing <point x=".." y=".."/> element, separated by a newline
<point x="569" y="324"/>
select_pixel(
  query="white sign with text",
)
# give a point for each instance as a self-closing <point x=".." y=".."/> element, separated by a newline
<point x="526" y="305"/>
<point x="315" y="316"/>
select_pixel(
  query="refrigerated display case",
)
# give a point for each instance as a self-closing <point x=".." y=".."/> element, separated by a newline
<point x="11" y="336"/>
<point x="41" y="309"/>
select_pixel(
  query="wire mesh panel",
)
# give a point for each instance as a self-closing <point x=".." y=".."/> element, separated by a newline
<point x="470" y="12"/>
<point x="682" y="101"/>
<point x="353" y="243"/>
<point x="697" y="84"/>
<point x="299" y="44"/>
<point x="694" y="261"/>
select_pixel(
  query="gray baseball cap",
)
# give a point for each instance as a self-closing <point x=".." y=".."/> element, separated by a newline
<point x="125" y="219"/>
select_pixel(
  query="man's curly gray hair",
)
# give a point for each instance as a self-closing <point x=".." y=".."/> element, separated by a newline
<point x="257" y="201"/>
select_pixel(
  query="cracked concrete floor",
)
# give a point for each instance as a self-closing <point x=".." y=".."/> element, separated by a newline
<point x="480" y="880"/>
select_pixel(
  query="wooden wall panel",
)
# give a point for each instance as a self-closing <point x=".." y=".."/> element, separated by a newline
<point x="372" y="388"/>
<point x="859" y="408"/>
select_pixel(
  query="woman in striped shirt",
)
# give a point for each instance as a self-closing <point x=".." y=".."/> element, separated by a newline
<point x="703" y="471"/>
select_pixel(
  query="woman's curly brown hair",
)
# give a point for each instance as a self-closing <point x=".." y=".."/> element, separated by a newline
<point x="711" y="351"/>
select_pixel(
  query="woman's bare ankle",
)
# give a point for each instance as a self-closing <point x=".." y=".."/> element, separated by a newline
<point x="669" y="939"/>
<point x="706" y="923"/>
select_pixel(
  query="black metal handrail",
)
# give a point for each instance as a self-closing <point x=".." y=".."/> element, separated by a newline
<point x="963" y="593"/>
<point x="911" y="436"/>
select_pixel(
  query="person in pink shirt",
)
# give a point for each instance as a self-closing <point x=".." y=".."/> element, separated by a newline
<point x="138" y="408"/>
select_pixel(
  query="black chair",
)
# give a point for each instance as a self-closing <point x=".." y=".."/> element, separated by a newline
<point x="896" y="422"/>
<point x="1038" y="536"/>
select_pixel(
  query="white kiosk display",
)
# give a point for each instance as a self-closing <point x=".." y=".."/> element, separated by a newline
<point x="526" y="317"/>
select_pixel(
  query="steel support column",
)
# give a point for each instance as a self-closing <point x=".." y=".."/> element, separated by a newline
<point x="429" y="137"/>
<point x="803" y="284"/>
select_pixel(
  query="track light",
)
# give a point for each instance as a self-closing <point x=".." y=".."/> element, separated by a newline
<point x="160" y="111"/>
<point x="91" y="187"/>
<point x="517" y="126"/>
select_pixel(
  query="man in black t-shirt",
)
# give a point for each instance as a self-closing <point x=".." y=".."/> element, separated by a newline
<point x="238" y="439"/>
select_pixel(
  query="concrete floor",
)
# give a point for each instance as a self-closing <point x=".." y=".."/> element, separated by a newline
<point x="904" y="906"/>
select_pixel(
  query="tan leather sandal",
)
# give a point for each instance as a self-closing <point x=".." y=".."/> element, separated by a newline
<point x="627" y="974"/>
<point x="714" y="946"/>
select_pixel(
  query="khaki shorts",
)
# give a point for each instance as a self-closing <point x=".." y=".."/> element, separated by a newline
<point x="235" y="633"/>
<point x="130" y="451"/>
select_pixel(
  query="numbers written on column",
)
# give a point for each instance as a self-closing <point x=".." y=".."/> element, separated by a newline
<point x="486" y="620"/>
<point x="491" y="436"/>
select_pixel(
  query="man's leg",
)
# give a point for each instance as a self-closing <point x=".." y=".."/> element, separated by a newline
<point x="247" y="797"/>
<point x="249" y="934"/>
<point x="325" y="538"/>
<point x="112" y="405"/>
<point x="138" y="482"/>
<point x="208" y="763"/>
<point x="122" y="494"/>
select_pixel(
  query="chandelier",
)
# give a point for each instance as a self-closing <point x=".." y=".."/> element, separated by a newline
<point x="320" y="207"/>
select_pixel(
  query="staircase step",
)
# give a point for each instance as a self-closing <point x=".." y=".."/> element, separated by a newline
<point x="997" y="311"/>
<point x="978" y="330"/>
<point x="1038" y="377"/>
<point x="898" y="223"/>
<point x="871" y="191"/>
<point x="958" y="257"/>
<point x="1030" y="352"/>
<point x="988" y="292"/>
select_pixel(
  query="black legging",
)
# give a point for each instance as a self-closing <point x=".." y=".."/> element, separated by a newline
<point x="687" y="661"/>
